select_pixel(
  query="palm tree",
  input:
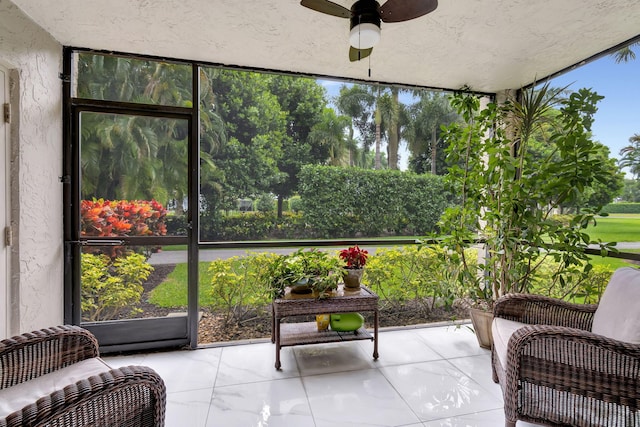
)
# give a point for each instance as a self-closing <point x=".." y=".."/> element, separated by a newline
<point x="389" y="108"/>
<point x="423" y="131"/>
<point x="375" y="112"/>
<point x="330" y="132"/>
<point x="127" y="156"/>
<point x="631" y="156"/>
<point x="356" y="102"/>
<point x="626" y="53"/>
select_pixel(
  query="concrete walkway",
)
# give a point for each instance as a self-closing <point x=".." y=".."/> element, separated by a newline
<point x="178" y="257"/>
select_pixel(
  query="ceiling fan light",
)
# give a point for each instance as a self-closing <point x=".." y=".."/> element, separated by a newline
<point x="364" y="36"/>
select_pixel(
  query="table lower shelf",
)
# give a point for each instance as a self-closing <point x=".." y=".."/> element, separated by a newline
<point x="307" y="333"/>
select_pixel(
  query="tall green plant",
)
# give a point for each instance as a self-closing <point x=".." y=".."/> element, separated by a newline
<point x="508" y="195"/>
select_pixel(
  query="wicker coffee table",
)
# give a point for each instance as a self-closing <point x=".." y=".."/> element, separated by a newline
<point x="290" y="334"/>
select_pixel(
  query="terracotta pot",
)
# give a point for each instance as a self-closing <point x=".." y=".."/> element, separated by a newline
<point x="352" y="278"/>
<point x="481" y="321"/>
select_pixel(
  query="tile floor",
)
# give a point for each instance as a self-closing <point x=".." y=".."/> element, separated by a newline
<point x="425" y="377"/>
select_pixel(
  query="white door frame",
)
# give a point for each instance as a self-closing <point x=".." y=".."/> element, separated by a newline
<point x="5" y="214"/>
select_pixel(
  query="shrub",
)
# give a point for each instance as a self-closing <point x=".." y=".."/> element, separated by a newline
<point x="241" y="284"/>
<point x="176" y="225"/>
<point x="122" y="218"/>
<point x="256" y="226"/>
<point x="574" y="286"/>
<point x="245" y="226"/>
<point x="295" y="204"/>
<point x="111" y="288"/>
<point x="290" y="226"/>
<point x="265" y="203"/>
<point x="562" y="220"/>
<point x="411" y="273"/>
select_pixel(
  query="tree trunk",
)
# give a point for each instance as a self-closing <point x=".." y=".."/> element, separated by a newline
<point x="378" y="122"/>
<point x="352" y="160"/>
<point x="434" y="147"/>
<point x="394" y="131"/>
<point x="393" y="147"/>
<point x="280" y="203"/>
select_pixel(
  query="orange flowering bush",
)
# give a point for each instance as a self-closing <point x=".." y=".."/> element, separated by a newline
<point x="122" y="218"/>
<point x="113" y="218"/>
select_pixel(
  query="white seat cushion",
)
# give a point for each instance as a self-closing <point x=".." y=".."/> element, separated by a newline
<point x="618" y="313"/>
<point x="502" y="330"/>
<point x="17" y="397"/>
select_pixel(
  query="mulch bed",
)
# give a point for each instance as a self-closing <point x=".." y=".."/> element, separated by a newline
<point x="213" y="328"/>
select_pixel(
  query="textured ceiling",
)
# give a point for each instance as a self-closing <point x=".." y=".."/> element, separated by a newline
<point x="488" y="45"/>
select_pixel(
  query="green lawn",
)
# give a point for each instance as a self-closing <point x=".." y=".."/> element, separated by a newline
<point x="614" y="263"/>
<point x="616" y="229"/>
<point x="173" y="291"/>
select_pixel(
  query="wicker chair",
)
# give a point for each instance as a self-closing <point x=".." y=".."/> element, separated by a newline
<point x="562" y="364"/>
<point x="59" y="375"/>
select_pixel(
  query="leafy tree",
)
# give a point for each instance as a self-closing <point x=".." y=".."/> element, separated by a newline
<point x="255" y="129"/>
<point x="606" y="186"/>
<point x="508" y="195"/>
<point x="603" y="188"/>
<point x="631" y="191"/>
<point x="302" y="102"/>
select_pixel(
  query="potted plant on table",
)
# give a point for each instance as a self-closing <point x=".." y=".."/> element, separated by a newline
<point x="306" y="271"/>
<point x="355" y="260"/>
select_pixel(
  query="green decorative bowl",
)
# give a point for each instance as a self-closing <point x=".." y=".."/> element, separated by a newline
<point x="346" y="322"/>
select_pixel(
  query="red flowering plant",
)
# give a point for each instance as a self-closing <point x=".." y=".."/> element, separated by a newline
<point x="354" y="257"/>
<point x="112" y="218"/>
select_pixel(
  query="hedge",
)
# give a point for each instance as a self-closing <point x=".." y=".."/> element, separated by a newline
<point x="342" y="202"/>
<point x="614" y="208"/>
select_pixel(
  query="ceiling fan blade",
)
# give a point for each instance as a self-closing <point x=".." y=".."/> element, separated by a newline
<point x="404" y="10"/>
<point x="358" y="54"/>
<point x="328" y="7"/>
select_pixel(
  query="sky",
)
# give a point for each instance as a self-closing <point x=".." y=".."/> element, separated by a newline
<point x="618" y="115"/>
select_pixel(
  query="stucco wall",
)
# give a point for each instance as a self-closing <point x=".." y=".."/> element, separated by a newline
<point x="36" y="290"/>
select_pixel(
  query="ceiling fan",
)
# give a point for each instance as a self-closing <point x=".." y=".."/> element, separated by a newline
<point x="365" y="16"/>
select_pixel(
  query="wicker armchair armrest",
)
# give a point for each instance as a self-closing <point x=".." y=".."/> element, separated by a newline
<point x="127" y="396"/>
<point x="540" y="310"/>
<point x="36" y="353"/>
<point x="573" y="361"/>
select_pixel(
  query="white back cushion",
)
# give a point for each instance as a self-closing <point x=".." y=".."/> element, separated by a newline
<point x="618" y="314"/>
